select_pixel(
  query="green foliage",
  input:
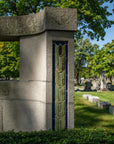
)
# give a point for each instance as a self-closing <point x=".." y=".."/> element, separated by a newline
<point x="59" y="137"/>
<point x="83" y="49"/>
<point x="92" y="16"/>
<point x="9" y="60"/>
<point x="103" y="60"/>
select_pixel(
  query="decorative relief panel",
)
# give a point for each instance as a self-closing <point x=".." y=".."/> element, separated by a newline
<point x="60" y="91"/>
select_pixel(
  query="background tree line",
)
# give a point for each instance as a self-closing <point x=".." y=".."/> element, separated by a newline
<point x="90" y="60"/>
<point x="92" y="21"/>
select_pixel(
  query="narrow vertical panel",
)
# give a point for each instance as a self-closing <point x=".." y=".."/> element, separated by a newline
<point x="53" y="99"/>
<point x="60" y="73"/>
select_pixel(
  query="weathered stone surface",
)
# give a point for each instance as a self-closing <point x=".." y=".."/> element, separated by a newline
<point x="93" y="99"/>
<point x="11" y="28"/>
<point x="24" y="115"/>
<point x="103" y="105"/>
<point x="24" y="106"/>
<point x="86" y="96"/>
<point x="33" y="57"/>
<point x="111" y="110"/>
<point x="96" y="85"/>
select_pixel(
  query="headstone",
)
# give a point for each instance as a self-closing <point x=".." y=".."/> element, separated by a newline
<point x="103" y="81"/>
<point x="103" y="105"/>
<point x="95" y="85"/>
<point x="111" y="110"/>
<point x="87" y="86"/>
<point x="109" y="86"/>
<point x="93" y="99"/>
<point x="86" y="96"/>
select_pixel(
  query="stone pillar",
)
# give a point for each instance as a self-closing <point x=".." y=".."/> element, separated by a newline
<point x="29" y="105"/>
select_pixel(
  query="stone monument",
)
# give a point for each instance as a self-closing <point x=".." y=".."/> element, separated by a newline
<point x="103" y="81"/>
<point x="43" y="98"/>
<point x="87" y="86"/>
<point x="95" y="85"/>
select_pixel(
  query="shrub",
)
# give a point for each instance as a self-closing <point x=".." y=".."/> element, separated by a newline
<point x="77" y="136"/>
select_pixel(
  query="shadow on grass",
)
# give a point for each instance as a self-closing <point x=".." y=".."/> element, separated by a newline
<point x="89" y="117"/>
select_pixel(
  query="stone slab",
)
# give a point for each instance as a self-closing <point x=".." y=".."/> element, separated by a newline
<point x="93" y="99"/>
<point x="103" y="105"/>
<point x="111" y="109"/>
<point x="86" y="96"/>
<point x="51" y="18"/>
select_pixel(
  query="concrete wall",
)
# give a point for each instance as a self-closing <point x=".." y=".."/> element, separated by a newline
<point x="26" y="105"/>
<point x="23" y="106"/>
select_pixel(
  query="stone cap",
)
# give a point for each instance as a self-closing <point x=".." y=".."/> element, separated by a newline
<point x="51" y="18"/>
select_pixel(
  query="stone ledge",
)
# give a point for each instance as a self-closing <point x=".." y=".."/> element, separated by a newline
<point x="64" y="19"/>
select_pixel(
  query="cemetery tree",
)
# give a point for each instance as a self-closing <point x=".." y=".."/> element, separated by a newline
<point x="9" y="60"/>
<point x="83" y="49"/>
<point x="103" y="60"/>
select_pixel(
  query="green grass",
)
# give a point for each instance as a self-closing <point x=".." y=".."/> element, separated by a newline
<point x="87" y="115"/>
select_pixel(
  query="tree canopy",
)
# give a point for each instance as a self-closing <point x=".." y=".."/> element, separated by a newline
<point x="83" y="49"/>
<point x="92" y="15"/>
<point x="102" y="60"/>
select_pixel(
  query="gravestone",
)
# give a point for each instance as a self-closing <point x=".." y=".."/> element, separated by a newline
<point x="111" y="110"/>
<point x="43" y="99"/>
<point x="103" y="105"/>
<point x="86" y="96"/>
<point x="87" y="86"/>
<point x="93" y="99"/>
<point x="103" y="81"/>
<point x="109" y="86"/>
<point x="95" y="85"/>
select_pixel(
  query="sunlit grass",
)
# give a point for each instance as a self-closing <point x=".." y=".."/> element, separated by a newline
<point x="87" y="115"/>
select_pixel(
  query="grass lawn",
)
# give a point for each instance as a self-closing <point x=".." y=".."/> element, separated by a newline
<point x="87" y="115"/>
